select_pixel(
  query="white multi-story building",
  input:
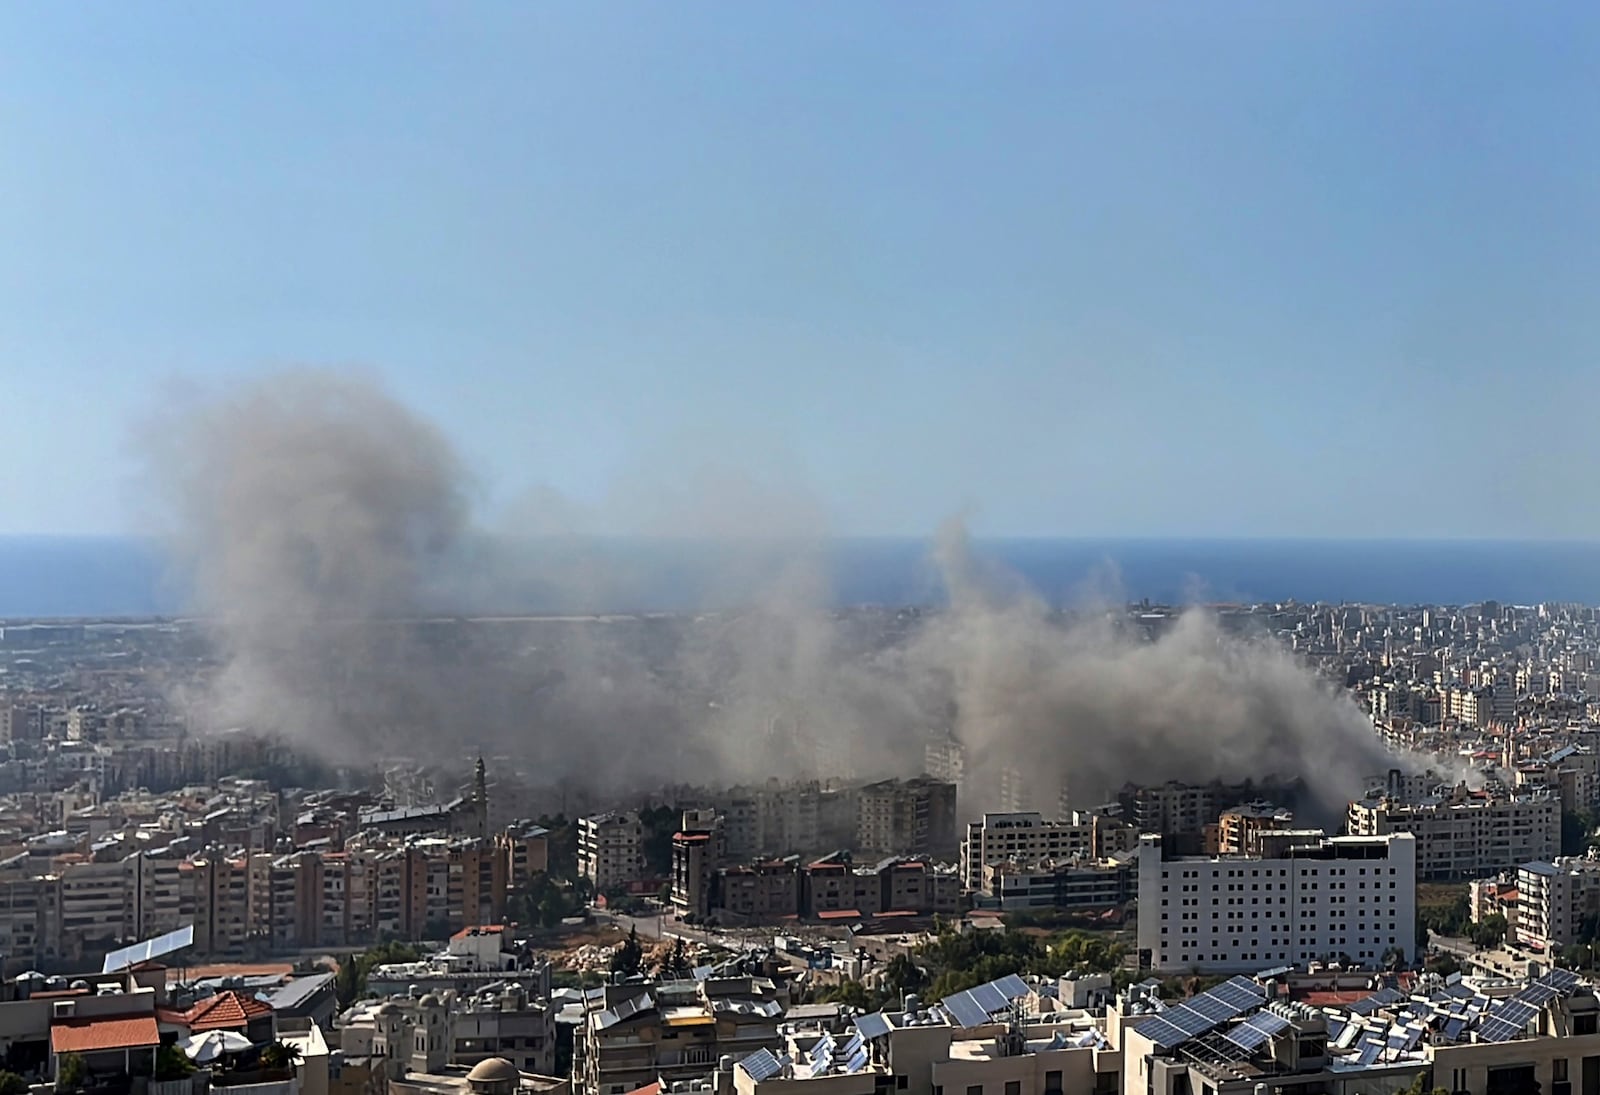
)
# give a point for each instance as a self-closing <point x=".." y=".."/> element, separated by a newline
<point x="1024" y="839"/>
<point x="610" y="850"/>
<point x="1306" y="897"/>
<point x="1466" y="834"/>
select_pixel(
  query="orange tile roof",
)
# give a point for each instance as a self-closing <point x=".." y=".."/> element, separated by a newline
<point x="95" y="1035"/>
<point x="225" y="1011"/>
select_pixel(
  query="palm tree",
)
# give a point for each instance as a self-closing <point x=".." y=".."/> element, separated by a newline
<point x="279" y="1055"/>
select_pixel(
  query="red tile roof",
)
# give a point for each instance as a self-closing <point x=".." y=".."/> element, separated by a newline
<point x="95" y="1035"/>
<point x="225" y="1011"/>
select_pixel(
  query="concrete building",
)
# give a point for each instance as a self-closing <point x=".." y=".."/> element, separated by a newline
<point x="1554" y="900"/>
<point x="1077" y="884"/>
<point x="1466" y="834"/>
<point x="1024" y="839"/>
<point x="642" y="1034"/>
<point x="1239" y="826"/>
<point x="908" y="817"/>
<point x="1307" y="897"/>
<point x="696" y="855"/>
<point x="610" y="850"/>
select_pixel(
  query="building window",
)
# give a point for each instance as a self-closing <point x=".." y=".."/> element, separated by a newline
<point x="1052" y="1082"/>
<point x="974" y="1089"/>
<point x="1013" y="1087"/>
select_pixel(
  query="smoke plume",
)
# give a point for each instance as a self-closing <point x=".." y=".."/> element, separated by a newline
<point x="326" y="529"/>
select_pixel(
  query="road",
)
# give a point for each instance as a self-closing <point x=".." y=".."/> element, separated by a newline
<point x="1499" y="961"/>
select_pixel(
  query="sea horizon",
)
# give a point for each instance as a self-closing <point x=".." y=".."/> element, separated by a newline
<point x="109" y="576"/>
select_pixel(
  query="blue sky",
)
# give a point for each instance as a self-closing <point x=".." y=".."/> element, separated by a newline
<point x="1151" y="269"/>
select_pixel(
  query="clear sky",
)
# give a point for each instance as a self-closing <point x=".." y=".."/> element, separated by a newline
<point x="1116" y="269"/>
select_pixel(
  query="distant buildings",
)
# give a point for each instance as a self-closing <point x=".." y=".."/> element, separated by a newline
<point x="1464" y="834"/>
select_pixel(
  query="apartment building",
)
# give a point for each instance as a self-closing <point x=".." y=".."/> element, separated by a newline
<point x="1466" y="834"/>
<point x="1022" y="839"/>
<point x="908" y="817"/>
<point x="1077" y="884"/>
<point x="610" y="850"/>
<point x="667" y="1032"/>
<point x="1239" y="826"/>
<point x="1305" y="897"/>
<point x="1554" y="900"/>
<point x="696" y="855"/>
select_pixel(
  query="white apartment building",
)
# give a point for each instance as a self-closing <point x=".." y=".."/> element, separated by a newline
<point x="1554" y="899"/>
<point x="1306" y="897"/>
<point x="1025" y="839"/>
<point x="1466" y="834"/>
<point x="610" y="849"/>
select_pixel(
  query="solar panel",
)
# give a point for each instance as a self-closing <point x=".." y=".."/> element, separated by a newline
<point x="990" y="998"/>
<point x="1538" y="994"/>
<point x="1563" y="981"/>
<point x="1453" y="1028"/>
<point x="1498" y="1030"/>
<point x="872" y="1026"/>
<point x="977" y="1006"/>
<point x="965" y="1010"/>
<point x="157" y="947"/>
<point x="857" y="1061"/>
<point x="1012" y="985"/>
<point x="853" y="1043"/>
<point x="1214" y="1009"/>
<point x="1163" y="1033"/>
<point x="1369" y="1052"/>
<point x="1240" y="992"/>
<point x="1348" y="1038"/>
<point x="1516" y="1011"/>
<point x="761" y="1065"/>
<point x="1256" y="1030"/>
<point x="1335" y="1028"/>
<point x="1413" y="1038"/>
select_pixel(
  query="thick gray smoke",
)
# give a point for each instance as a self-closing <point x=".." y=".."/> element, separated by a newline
<point x="323" y="523"/>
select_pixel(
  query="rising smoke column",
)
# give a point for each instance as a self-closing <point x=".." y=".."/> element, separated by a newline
<point x="319" y="519"/>
<point x="1094" y="701"/>
<point x="311" y="512"/>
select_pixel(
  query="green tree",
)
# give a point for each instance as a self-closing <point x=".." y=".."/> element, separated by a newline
<point x="1577" y="831"/>
<point x="171" y="1064"/>
<point x="675" y="964"/>
<point x="280" y="1055"/>
<point x="350" y="982"/>
<point x="1420" y="1085"/>
<point x="12" y="1084"/>
<point x="629" y="957"/>
<point x="72" y="1073"/>
<point x="901" y="975"/>
<point x="1489" y="932"/>
<point x="849" y="993"/>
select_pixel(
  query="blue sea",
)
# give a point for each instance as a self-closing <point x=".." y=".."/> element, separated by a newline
<point x="78" y="577"/>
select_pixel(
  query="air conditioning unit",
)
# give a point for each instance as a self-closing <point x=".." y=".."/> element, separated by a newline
<point x="64" y="1009"/>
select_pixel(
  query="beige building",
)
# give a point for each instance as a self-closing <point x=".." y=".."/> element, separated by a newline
<point x="1466" y="834"/>
<point x="1554" y="900"/>
<point x="610" y="850"/>
<point x="1023" y="839"/>
<point x="908" y="817"/>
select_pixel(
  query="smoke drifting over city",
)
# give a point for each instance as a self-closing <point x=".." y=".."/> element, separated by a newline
<point x="325" y="529"/>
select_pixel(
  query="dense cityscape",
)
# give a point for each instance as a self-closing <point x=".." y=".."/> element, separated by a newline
<point x="461" y="923"/>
